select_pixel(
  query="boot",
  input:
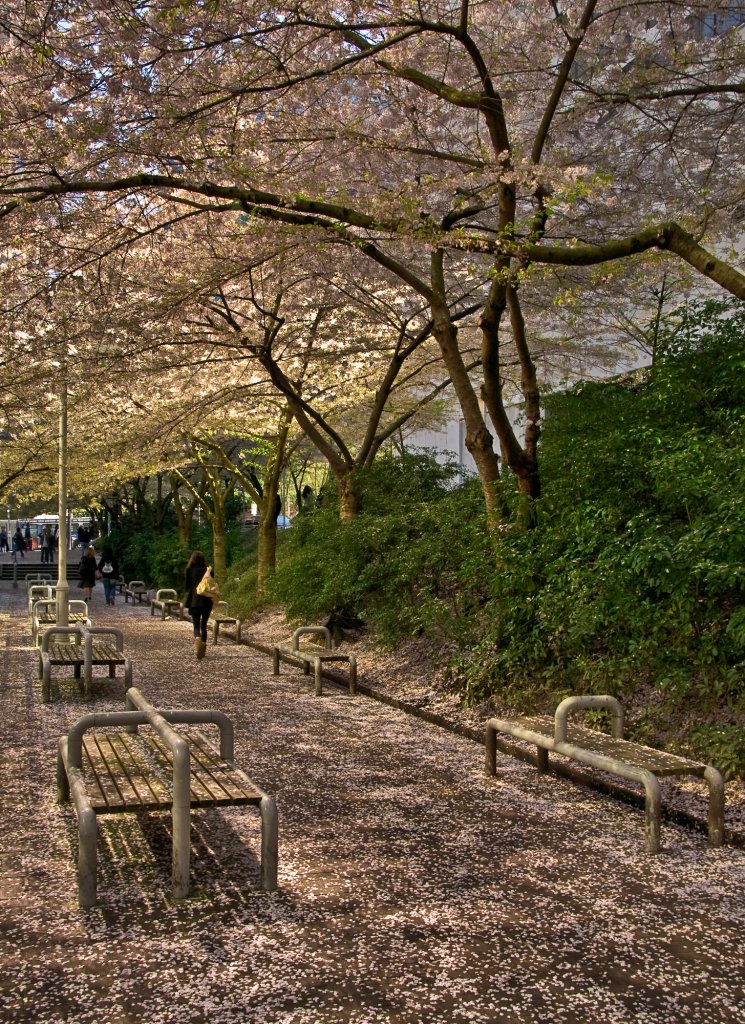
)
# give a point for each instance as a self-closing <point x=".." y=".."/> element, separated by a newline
<point x="201" y="646"/>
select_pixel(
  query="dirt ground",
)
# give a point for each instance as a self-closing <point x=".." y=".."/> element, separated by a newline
<point x="412" y="887"/>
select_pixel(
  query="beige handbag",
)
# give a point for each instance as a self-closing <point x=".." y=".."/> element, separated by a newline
<point x="207" y="586"/>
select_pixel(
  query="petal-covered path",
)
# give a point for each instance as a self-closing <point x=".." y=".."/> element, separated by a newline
<point x="412" y="888"/>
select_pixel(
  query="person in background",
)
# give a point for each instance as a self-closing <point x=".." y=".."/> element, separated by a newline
<point x="88" y="570"/>
<point x="27" y="538"/>
<point x="3" y="542"/>
<point x="199" y="607"/>
<point x="108" y="569"/>
<point x="45" y="542"/>
<point x="19" y="544"/>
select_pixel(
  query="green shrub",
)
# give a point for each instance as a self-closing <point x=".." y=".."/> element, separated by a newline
<point x="406" y="563"/>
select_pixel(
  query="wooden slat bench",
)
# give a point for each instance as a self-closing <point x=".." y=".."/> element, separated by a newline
<point x="314" y="656"/>
<point x="137" y="590"/>
<point x="221" y="617"/>
<point x="612" y="754"/>
<point x="45" y="615"/>
<point x="80" y="649"/>
<point x="162" y="770"/>
<point x="166" y="601"/>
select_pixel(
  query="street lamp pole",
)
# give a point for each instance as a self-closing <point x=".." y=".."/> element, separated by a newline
<point x="63" y="607"/>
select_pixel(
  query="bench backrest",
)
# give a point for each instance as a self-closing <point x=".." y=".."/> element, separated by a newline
<point x="33" y="579"/>
<point x="92" y="633"/>
<point x="37" y="592"/>
<point x="59" y="631"/>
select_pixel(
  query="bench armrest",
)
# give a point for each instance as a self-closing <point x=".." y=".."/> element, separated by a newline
<point x="312" y="631"/>
<point x="586" y="701"/>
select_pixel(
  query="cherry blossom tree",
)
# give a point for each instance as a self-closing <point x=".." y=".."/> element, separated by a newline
<point x="529" y="148"/>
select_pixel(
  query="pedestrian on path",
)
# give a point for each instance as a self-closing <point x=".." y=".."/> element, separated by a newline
<point x="3" y="542"/>
<point x="45" y="542"/>
<point x="199" y="607"/>
<point x="19" y="544"/>
<point x="88" y="569"/>
<point x="108" y="569"/>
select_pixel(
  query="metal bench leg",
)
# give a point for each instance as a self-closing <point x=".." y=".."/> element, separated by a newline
<point x="716" y="805"/>
<point x="238" y="630"/>
<point x="46" y="681"/>
<point x="541" y="759"/>
<point x="269" y="846"/>
<point x="352" y="674"/>
<point x="275" y="661"/>
<point x="127" y="674"/>
<point x="87" y="860"/>
<point x="491" y="750"/>
<point x="318" y="674"/>
<point x="652" y="804"/>
<point x="181" y="821"/>
<point x="63" y="786"/>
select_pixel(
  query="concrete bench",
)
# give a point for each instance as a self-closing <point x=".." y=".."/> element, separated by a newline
<point x="45" y="615"/>
<point x="612" y="754"/>
<point x="221" y="617"/>
<point x="167" y="603"/>
<point x="80" y="649"/>
<point x="137" y="590"/>
<point x="314" y="656"/>
<point x="124" y="770"/>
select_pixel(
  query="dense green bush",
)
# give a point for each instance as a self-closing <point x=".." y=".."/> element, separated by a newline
<point x="633" y="580"/>
<point x="410" y="560"/>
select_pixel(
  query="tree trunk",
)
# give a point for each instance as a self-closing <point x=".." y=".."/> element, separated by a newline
<point x="267" y="553"/>
<point x="349" y="498"/>
<point x="478" y="439"/>
<point x="219" y="559"/>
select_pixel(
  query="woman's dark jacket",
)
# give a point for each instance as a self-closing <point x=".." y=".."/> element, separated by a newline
<point x="194" y="575"/>
<point x="88" y="571"/>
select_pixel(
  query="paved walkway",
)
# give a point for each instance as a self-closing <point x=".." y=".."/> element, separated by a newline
<point x="412" y="888"/>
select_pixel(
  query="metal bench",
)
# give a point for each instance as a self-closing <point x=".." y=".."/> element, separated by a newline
<point x="137" y="590"/>
<point x="124" y="770"/>
<point x="167" y="603"/>
<point x="612" y="754"/>
<point x="37" y="591"/>
<point x="45" y="615"/>
<point x="221" y="617"/>
<point x="36" y="578"/>
<point x="315" y="656"/>
<point x="80" y="649"/>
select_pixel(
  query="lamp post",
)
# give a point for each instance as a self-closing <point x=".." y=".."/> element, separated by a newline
<point x="63" y="589"/>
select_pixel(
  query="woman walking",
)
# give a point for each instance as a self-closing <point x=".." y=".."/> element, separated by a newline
<point x="200" y="607"/>
<point x="88" y="570"/>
